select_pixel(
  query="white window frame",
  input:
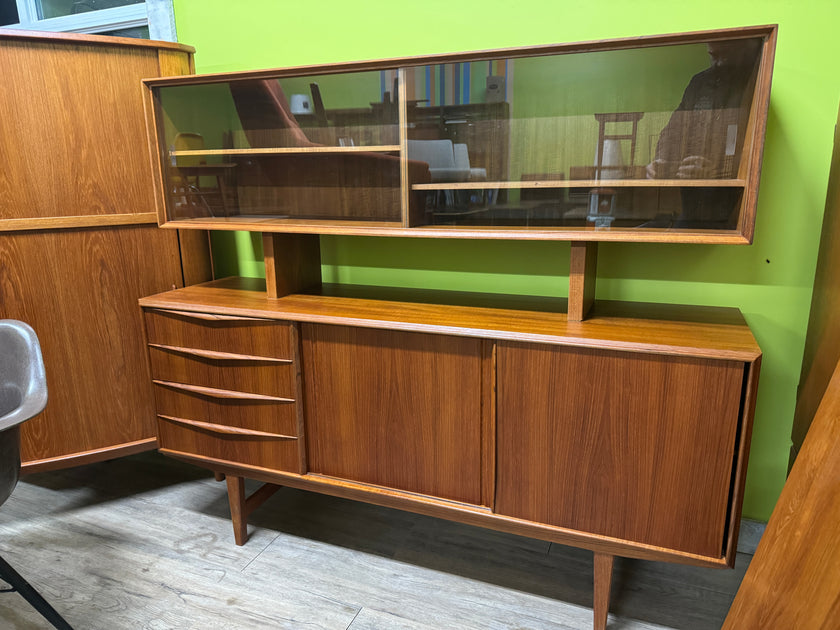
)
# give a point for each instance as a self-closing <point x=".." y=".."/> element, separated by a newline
<point x="156" y="14"/>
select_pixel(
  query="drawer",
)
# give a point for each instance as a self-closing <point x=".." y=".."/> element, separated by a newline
<point x="221" y="408"/>
<point x="272" y="452"/>
<point x="245" y="336"/>
<point x="265" y="375"/>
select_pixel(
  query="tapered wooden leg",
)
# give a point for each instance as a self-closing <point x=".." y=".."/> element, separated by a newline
<point x="219" y="476"/>
<point x="241" y="506"/>
<point x="238" y="513"/>
<point x="603" y="583"/>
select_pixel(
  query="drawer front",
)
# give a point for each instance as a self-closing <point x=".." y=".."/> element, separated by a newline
<point x="220" y="334"/>
<point x="269" y="376"/>
<point x="265" y="416"/>
<point x="270" y="452"/>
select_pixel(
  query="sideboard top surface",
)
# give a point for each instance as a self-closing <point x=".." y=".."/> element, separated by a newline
<point x="691" y="331"/>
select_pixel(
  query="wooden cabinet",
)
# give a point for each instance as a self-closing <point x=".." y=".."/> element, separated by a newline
<point x="626" y="434"/>
<point x="652" y="138"/>
<point x="620" y="428"/>
<point x="77" y="232"/>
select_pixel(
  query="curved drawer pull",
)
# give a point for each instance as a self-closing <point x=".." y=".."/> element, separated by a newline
<point x="220" y="428"/>
<point x="218" y="356"/>
<point x="211" y="317"/>
<point x="227" y="394"/>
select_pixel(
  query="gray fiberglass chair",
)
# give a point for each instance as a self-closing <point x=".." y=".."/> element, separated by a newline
<point x="23" y="395"/>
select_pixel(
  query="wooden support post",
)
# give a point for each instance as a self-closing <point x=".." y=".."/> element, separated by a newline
<point x="582" y="267"/>
<point x="236" y="499"/>
<point x="602" y="585"/>
<point x="242" y="506"/>
<point x="292" y="263"/>
<point x="218" y="476"/>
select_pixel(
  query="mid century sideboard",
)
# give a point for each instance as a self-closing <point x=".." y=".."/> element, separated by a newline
<point x="621" y="428"/>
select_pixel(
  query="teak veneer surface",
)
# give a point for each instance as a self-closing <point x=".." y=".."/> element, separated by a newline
<point x="620" y="444"/>
<point x="822" y="343"/>
<point x="794" y="578"/>
<point x="76" y="244"/>
<point x="706" y="332"/>
<point x="65" y="122"/>
<point x="110" y="41"/>
<point x="90" y="330"/>
<point x="395" y="409"/>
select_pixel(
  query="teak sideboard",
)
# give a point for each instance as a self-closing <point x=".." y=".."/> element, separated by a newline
<point x="618" y="427"/>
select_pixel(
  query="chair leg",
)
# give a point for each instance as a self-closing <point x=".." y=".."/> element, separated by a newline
<point x="14" y="579"/>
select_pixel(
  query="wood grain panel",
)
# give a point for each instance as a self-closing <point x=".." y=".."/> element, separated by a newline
<point x="86" y="220"/>
<point x="173" y="63"/>
<point x="104" y="41"/>
<point x="275" y="453"/>
<point x="634" y="447"/>
<point x="794" y="578"/>
<point x="65" y="122"/>
<point x="258" y="338"/>
<point x="583" y="266"/>
<point x="710" y="332"/>
<point x="822" y="343"/>
<point x="401" y="410"/>
<point x="79" y="291"/>
<point x="292" y="263"/>
<point x="252" y="376"/>
<point x="196" y="258"/>
<point x="269" y="417"/>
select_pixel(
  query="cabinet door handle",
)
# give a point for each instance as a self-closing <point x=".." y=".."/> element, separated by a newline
<point x="213" y="355"/>
<point x="212" y="317"/>
<point x="225" y="394"/>
<point x="221" y="428"/>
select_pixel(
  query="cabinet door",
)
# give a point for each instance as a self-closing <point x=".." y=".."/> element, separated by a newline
<point x="79" y="290"/>
<point x="395" y="409"/>
<point x="632" y="446"/>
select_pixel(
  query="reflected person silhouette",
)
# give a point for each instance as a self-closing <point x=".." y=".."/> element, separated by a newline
<point x="704" y="136"/>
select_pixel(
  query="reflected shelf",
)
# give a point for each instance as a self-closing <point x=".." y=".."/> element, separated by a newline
<point x="381" y="148"/>
<point x="588" y="183"/>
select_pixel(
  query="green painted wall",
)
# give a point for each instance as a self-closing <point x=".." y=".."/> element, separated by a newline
<point x="769" y="281"/>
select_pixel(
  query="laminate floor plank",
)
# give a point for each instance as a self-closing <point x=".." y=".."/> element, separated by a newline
<point x="146" y="542"/>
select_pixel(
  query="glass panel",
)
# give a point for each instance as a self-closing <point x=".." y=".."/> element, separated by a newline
<point x="313" y="147"/>
<point x="138" y="32"/>
<point x="8" y="13"/>
<point x="59" y="8"/>
<point x="648" y="137"/>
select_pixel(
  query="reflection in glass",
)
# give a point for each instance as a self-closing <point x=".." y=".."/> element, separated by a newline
<point x="315" y="147"/>
<point x="648" y="137"/>
<point x="137" y="32"/>
<point x="8" y="13"/>
<point x="562" y="140"/>
<point x="59" y="8"/>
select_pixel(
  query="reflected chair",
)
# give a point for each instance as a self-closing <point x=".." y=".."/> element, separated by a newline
<point x="316" y="180"/>
<point x="23" y="395"/>
<point x="187" y="175"/>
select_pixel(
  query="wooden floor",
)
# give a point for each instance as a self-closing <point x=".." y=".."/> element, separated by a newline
<point x="145" y="543"/>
